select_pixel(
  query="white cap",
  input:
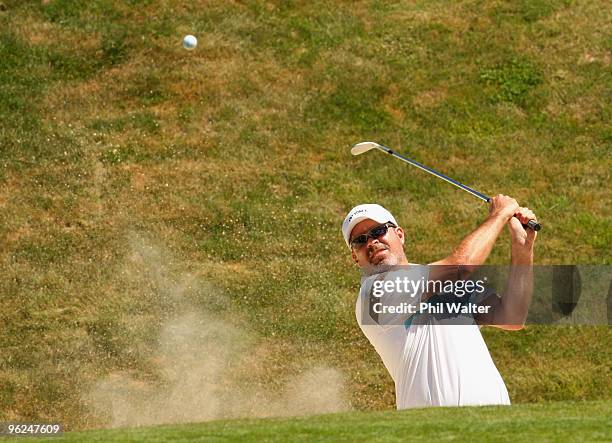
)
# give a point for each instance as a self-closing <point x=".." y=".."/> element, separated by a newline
<point x="365" y="212"/>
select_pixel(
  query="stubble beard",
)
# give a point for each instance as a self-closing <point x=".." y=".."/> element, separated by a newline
<point x="382" y="266"/>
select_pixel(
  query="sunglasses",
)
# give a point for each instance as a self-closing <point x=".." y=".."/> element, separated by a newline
<point x="377" y="232"/>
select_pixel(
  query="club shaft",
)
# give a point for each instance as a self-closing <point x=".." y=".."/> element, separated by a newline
<point x="531" y="224"/>
<point x="436" y="173"/>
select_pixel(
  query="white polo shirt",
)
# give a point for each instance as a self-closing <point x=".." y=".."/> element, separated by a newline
<point x="431" y="363"/>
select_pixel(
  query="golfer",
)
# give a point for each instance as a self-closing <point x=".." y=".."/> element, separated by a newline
<point x="432" y="361"/>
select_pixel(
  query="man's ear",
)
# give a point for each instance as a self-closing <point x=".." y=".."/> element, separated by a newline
<point x="401" y="234"/>
<point x="354" y="256"/>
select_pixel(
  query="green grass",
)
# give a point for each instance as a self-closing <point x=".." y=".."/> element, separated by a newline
<point x="140" y="181"/>
<point x="587" y="421"/>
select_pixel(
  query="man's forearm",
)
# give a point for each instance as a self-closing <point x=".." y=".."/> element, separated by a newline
<point x="476" y="247"/>
<point x="471" y="252"/>
<point x="519" y="290"/>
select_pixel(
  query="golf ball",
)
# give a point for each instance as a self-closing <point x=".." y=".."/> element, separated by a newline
<point x="190" y="42"/>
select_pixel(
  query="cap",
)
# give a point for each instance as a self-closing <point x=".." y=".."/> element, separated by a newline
<point x="364" y="212"/>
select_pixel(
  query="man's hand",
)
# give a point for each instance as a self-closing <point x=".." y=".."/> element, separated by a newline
<point x="507" y="209"/>
<point x="522" y="239"/>
<point x="502" y="206"/>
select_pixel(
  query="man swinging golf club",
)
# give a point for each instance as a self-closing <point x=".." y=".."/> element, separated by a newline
<point x="432" y="363"/>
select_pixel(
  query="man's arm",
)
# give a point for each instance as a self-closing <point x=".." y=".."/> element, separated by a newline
<point x="510" y="311"/>
<point x="476" y="247"/>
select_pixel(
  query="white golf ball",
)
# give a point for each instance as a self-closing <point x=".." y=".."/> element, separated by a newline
<point x="190" y="42"/>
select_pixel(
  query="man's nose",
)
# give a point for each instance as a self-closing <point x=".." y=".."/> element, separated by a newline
<point x="372" y="241"/>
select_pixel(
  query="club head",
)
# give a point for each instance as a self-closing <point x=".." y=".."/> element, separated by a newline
<point x="362" y="147"/>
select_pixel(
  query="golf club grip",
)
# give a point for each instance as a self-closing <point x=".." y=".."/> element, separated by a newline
<point x="531" y="224"/>
<point x="534" y="225"/>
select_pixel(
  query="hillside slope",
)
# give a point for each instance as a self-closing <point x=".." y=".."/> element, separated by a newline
<point x="171" y="230"/>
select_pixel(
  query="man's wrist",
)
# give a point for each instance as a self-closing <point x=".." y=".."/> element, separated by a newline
<point x="499" y="218"/>
<point x="497" y="221"/>
<point x="522" y="256"/>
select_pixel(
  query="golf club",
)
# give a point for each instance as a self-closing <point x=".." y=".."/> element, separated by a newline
<point x="362" y="147"/>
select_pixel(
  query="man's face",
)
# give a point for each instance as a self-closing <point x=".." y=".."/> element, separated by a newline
<point x="387" y="250"/>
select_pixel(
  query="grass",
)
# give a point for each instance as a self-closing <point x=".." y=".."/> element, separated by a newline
<point x="588" y="421"/>
<point x="140" y="180"/>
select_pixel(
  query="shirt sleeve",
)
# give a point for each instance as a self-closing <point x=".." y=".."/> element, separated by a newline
<point x="392" y="297"/>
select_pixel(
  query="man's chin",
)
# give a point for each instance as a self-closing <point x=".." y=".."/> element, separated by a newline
<point x="379" y="257"/>
<point x="380" y="266"/>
